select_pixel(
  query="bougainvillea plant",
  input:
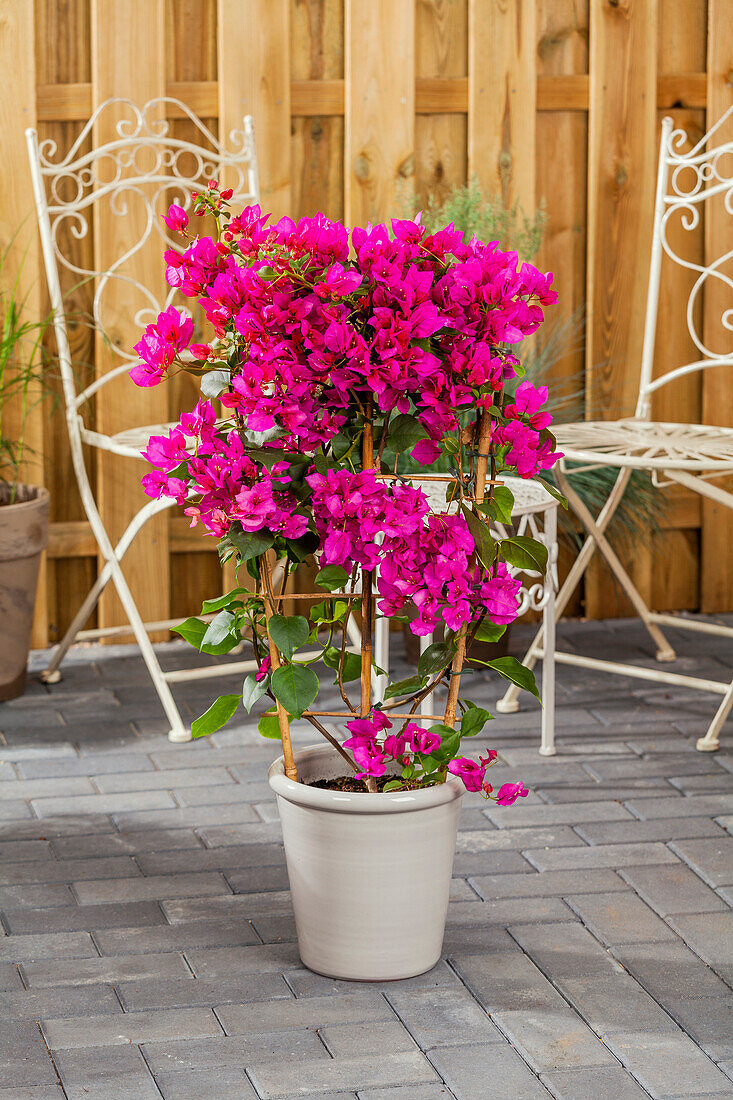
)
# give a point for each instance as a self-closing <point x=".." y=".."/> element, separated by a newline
<point x="330" y="355"/>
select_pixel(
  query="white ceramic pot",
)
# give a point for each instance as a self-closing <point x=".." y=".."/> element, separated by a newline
<point x="369" y="873"/>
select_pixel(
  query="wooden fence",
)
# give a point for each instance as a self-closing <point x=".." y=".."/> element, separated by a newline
<point x="542" y="100"/>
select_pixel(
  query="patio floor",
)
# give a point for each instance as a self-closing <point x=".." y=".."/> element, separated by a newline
<point x="149" y="948"/>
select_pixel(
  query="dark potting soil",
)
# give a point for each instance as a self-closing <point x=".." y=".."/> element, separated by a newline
<point x="347" y="783"/>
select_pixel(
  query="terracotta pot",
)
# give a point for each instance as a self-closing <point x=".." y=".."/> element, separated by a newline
<point x="23" y="537"/>
<point x="369" y="873"/>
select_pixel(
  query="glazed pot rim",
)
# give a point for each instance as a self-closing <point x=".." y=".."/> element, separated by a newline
<point x="355" y="802"/>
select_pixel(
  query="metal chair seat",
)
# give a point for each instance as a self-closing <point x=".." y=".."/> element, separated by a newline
<point x="129" y="442"/>
<point x="648" y="445"/>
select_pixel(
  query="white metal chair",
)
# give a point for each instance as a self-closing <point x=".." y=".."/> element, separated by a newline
<point x="147" y="160"/>
<point x="682" y="454"/>
<point x="534" y="514"/>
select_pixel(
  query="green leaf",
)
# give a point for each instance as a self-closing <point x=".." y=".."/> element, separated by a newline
<point x="252" y="691"/>
<point x="489" y="632"/>
<point x="223" y="601"/>
<point x="215" y="382"/>
<point x="219" y="628"/>
<point x="193" y="631"/>
<point x="474" y="720"/>
<point x="301" y="548"/>
<point x="332" y="577"/>
<point x="405" y="687"/>
<point x="218" y="714"/>
<point x="249" y="544"/>
<point x="392" y="785"/>
<point x="450" y="741"/>
<point x="512" y="669"/>
<point x="268" y="726"/>
<point x="502" y="504"/>
<point x="405" y="431"/>
<point x="329" y="611"/>
<point x="485" y="545"/>
<point x="554" y="491"/>
<point x="295" y="686"/>
<point x="288" y="633"/>
<point x="524" y="553"/>
<point x="352" y="667"/>
<point x="436" y="656"/>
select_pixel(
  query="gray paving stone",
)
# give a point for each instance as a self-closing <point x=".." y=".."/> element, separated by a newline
<point x="619" y="918"/>
<point x="83" y="918"/>
<point x="344" y="1041"/>
<point x="667" y="1065"/>
<point x="546" y="815"/>
<point x="212" y="859"/>
<point x="53" y="767"/>
<point x="649" y="789"/>
<point x="34" y="1092"/>
<point x="69" y="870"/>
<point x="207" y="818"/>
<point x="68" y="826"/>
<point x="490" y="863"/>
<point x="711" y="859"/>
<point x="102" y="803"/>
<point x="14" y="808"/>
<point x="114" y="782"/>
<point x="139" y="1086"/>
<point x="215" y="962"/>
<point x="667" y="970"/>
<point x="305" y="983"/>
<point x="55" y="945"/>
<point x="506" y="982"/>
<point x="275" y="927"/>
<point x="669" y="765"/>
<point x="284" y="1079"/>
<point x="706" y="783"/>
<point x="24" y="1060"/>
<point x="40" y="788"/>
<point x="566" y="951"/>
<point x="507" y="910"/>
<point x="709" y="1021"/>
<point x="669" y="889"/>
<point x="19" y="753"/>
<point x="608" y="1004"/>
<point x="693" y="806"/>
<point x="236" y="907"/>
<point x="230" y="934"/>
<point x="546" y="884"/>
<point x="633" y="831"/>
<point x="602" y="855"/>
<point x="100" y="1067"/>
<point x="580" y="1084"/>
<point x="552" y="1038"/>
<point x="498" y="839"/>
<point x="259" y="879"/>
<point x="219" y="795"/>
<point x="130" y="1027"/>
<point x="163" y="841"/>
<point x="18" y="851"/>
<point x="294" y="1047"/>
<point x="710" y="935"/>
<point x="67" y="1000"/>
<point x="9" y="977"/>
<point x="101" y="891"/>
<point x="182" y="992"/>
<point x="407" y="1092"/>
<point x="113" y="969"/>
<point x="228" y="1082"/>
<point x="35" y="895"/>
<point x="470" y="1070"/>
<point x="444" y="1017"/>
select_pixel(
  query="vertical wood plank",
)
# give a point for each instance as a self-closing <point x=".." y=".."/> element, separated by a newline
<point x="502" y="98"/>
<point x="128" y="59"/>
<point x="380" y="106"/>
<point x="317" y="143"/>
<point x="63" y="55"/>
<point x="441" y="140"/>
<point x="18" y="235"/>
<point x="717" y="522"/>
<point x="622" y="139"/>
<point x="254" y="79"/>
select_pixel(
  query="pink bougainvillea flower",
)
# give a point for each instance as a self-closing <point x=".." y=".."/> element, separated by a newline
<point x="422" y="740"/>
<point x="176" y="219"/>
<point x="469" y="771"/>
<point x="510" y="792"/>
<point x="264" y="669"/>
<point x="426" y="452"/>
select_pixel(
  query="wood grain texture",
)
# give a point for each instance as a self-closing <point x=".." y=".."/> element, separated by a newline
<point x="622" y="136"/>
<point x="254" y="79"/>
<point x="502" y="94"/>
<point x="18" y="244"/>
<point x="380" y="106"/>
<point x="717" y="397"/>
<point x="441" y="58"/>
<point x="128" y="55"/>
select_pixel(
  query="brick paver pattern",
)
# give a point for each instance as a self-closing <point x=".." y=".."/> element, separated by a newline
<point x="148" y="947"/>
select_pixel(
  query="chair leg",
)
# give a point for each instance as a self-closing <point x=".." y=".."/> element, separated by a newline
<point x="508" y="704"/>
<point x="709" y="743"/>
<point x="665" y="652"/>
<point x="547" y="743"/>
<point x="51" y="674"/>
